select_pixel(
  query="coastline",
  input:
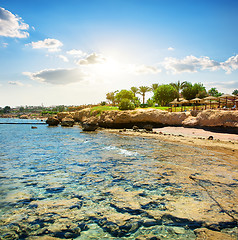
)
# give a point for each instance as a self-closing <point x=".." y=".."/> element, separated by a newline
<point x="226" y="143"/>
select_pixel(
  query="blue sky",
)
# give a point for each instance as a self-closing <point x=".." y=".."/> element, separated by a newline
<point x="74" y="52"/>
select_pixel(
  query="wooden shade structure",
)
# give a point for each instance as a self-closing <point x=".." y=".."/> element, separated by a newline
<point x="210" y="98"/>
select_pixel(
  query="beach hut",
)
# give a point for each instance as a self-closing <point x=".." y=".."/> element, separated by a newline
<point x="174" y="102"/>
<point x="196" y="101"/>
<point x="210" y="98"/>
<point x="183" y="102"/>
<point x="227" y="97"/>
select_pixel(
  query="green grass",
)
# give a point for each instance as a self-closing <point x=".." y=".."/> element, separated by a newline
<point x="100" y="109"/>
<point x="103" y="108"/>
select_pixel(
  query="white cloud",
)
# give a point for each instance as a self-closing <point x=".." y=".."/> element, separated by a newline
<point x="77" y="53"/>
<point x="11" y="25"/>
<point x="171" y="49"/>
<point x="16" y="83"/>
<point x="93" y="58"/>
<point x="53" y="45"/>
<point x="230" y="64"/>
<point x="65" y="59"/>
<point x="58" y="76"/>
<point x="5" y="45"/>
<point x="144" y="69"/>
<point x="190" y="64"/>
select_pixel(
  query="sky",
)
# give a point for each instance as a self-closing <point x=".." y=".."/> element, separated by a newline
<point x="73" y="52"/>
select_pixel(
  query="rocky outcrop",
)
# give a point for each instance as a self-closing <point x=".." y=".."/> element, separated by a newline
<point x="218" y="118"/>
<point x="52" y="121"/>
<point x="62" y="115"/>
<point x="153" y="117"/>
<point x="67" y="122"/>
<point x="140" y="117"/>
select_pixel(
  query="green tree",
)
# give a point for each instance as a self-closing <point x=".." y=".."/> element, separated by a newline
<point x="111" y="97"/>
<point x="6" y="109"/>
<point x="178" y="86"/>
<point x="235" y="92"/>
<point x="164" y="94"/>
<point x="124" y="94"/>
<point x="142" y="91"/>
<point x="136" y="101"/>
<point x="214" y="92"/>
<point x="191" y="91"/>
<point x="134" y="90"/>
<point x="154" y="86"/>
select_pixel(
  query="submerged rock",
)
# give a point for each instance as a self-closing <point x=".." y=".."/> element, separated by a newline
<point x="204" y="233"/>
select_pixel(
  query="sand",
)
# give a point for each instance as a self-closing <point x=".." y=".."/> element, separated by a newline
<point x="226" y="143"/>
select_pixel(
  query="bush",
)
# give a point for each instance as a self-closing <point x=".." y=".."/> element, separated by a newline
<point x="150" y="102"/>
<point x="126" y="104"/>
<point x="144" y="105"/>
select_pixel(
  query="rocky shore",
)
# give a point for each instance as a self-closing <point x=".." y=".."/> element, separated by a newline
<point x="225" y="120"/>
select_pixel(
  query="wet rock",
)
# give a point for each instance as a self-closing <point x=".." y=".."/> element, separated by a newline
<point x="210" y="138"/>
<point x="89" y="127"/>
<point x="52" y="121"/>
<point x="135" y="128"/>
<point x="148" y="127"/>
<point x="148" y="237"/>
<point x="204" y="233"/>
<point x="67" y="122"/>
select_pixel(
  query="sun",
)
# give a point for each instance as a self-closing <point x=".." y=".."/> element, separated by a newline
<point x="109" y="67"/>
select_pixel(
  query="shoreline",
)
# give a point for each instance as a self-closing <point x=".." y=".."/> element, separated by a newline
<point x="225" y="143"/>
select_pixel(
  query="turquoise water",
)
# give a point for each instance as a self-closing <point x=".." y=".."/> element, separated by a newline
<point x="65" y="183"/>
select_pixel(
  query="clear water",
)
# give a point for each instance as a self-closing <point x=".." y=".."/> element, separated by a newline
<point x="66" y="183"/>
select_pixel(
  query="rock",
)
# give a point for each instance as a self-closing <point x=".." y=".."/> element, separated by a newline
<point x="190" y="122"/>
<point x="135" y="128"/>
<point x="89" y="127"/>
<point x="52" y="121"/>
<point x="24" y="117"/>
<point x="67" y="122"/>
<point x="148" y="127"/>
<point x="62" y="115"/>
<point x="210" y="138"/>
<point x="218" y="118"/>
<point x="206" y="234"/>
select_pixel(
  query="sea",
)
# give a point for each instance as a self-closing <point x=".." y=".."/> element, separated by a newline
<point x="63" y="183"/>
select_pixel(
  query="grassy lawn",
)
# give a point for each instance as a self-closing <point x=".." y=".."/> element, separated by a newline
<point x="111" y="108"/>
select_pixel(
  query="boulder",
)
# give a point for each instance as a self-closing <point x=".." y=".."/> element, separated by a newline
<point x="218" y="118"/>
<point x="52" y="121"/>
<point x="62" y="115"/>
<point x="148" y="127"/>
<point x="67" y="122"/>
<point x="89" y="127"/>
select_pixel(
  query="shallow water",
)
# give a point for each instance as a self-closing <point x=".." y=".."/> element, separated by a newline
<point x="66" y="183"/>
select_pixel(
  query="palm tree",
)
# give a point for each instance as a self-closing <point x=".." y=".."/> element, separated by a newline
<point x="134" y="90"/>
<point x="178" y="87"/>
<point x="154" y="86"/>
<point x="143" y="90"/>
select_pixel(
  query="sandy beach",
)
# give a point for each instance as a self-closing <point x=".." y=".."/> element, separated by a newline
<point x="226" y="143"/>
